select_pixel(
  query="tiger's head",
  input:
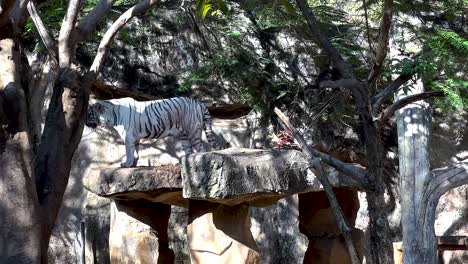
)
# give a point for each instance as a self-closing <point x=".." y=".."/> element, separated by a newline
<point x="95" y="115"/>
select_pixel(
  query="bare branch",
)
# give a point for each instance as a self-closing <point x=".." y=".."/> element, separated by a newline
<point x="446" y="179"/>
<point x="356" y="173"/>
<point x="364" y="5"/>
<point x="387" y="113"/>
<point x="343" y="83"/>
<point x="5" y="7"/>
<point x="89" y="23"/>
<point x="378" y="99"/>
<point x="49" y="43"/>
<point x="112" y="31"/>
<point x="382" y="47"/>
<point x="343" y="67"/>
<point x="66" y="45"/>
<point x="322" y="176"/>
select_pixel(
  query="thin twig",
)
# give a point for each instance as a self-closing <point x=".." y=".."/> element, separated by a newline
<point x="343" y="83"/>
<point x="367" y="25"/>
<point x="88" y="24"/>
<point x="116" y="26"/>
<point x="343" y="67"/>
<point x="389" y="111"/>
<point x="46" y="38"/>
<point x="378" y="99"/>
<point x="382" y="46"/>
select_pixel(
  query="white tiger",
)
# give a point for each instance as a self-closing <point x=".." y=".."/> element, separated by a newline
<point x="180" y="117"/>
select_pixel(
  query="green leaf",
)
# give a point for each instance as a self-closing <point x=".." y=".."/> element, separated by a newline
<point x="223" y="7"/>
<point x="205" y="10"/>
<point x="282" y="94"/>
<point x="200" y="4"/>
<point x="234" y="33"/>
<point x="216" y="12"/>
<point x="288" y="6"/>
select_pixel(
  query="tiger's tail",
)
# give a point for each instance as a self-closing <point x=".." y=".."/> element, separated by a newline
<point x="208" y="130"/>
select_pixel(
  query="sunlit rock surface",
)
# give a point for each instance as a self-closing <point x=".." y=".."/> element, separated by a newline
<point x="161" y="184"/>
<point x="231" y="177"/>
<point x="256" y="177"/>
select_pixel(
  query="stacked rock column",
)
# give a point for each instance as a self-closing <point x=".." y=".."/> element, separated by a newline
<point x="317" y="222"/>
<point x="220" y="234"/>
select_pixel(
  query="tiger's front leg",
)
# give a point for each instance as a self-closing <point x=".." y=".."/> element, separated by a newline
<point x="131" y="151"/>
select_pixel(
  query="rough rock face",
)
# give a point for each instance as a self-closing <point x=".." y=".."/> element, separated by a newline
<point x="449" y="142"/>
<point x="174" y="44"/>
<point x="276" y="232"/>
<point x="232" y="176"/>
<point x="256" y="177"/>
<point x="178" y="234"/>
<point x="452" y="220"/>
<point x="235" y="176"/>
<point x="130" y="241"/>
<point x="97" y="219"/>
<point x="138" y="194"/>
<point x="160" y="184"/>
<point x="282" y="244"/>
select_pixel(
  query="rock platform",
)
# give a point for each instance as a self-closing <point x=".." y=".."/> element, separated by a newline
<point x="217" y="188"/>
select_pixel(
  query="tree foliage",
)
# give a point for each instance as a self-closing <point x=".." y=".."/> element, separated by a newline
<point x="343" y="21"/>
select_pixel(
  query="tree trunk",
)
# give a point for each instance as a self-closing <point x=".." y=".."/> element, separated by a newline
<point x="20" y="219"/>
<point x="380" y="238"/>
<point x="61" y="136"/>
<point x="34" y="192"/>
<point x="417" y="210"/>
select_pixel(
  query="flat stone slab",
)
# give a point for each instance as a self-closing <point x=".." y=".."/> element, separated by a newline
<point x="231" y="176"/>
<point x="161" y="184"/>
<point x="256" y="177"/>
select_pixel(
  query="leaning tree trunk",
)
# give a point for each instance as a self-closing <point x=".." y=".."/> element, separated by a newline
<point x="60" y="138"/>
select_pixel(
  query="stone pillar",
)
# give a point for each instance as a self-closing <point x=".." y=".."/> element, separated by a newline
<point x="146" y="247"/>
<point x="220" y="234"/>
<point x="317" y="222"/>
<point x="97" y="227"/>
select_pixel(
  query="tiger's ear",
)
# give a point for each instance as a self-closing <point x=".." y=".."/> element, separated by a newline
<point x="99" y="107"/>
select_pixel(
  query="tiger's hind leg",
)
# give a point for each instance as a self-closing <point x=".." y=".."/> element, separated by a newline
<point x="196" y="141"/>
<point x="208" y="130"/>
<point x="186" y="144"/>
